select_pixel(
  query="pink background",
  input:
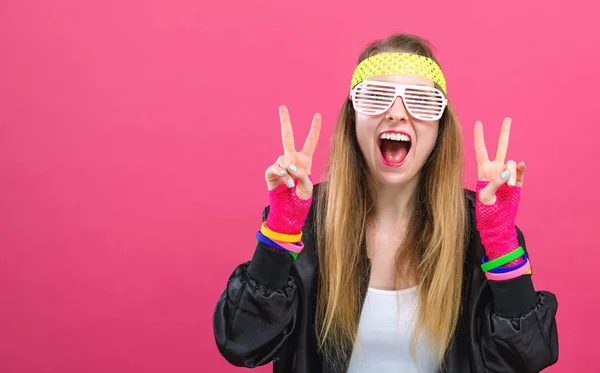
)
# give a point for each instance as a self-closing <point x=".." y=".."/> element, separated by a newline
<point x="134" y="137"/>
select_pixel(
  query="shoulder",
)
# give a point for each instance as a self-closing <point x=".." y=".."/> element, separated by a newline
<point x="469" y="198"/>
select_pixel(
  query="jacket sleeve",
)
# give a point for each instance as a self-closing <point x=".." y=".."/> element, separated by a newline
<point x="518" y="331"/>
<point x="256" y="314"/>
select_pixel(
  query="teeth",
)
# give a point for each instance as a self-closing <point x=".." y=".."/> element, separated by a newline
<point x="394" y="136"/>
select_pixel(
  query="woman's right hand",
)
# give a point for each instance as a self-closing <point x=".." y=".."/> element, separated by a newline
<point x="293" y="164"/>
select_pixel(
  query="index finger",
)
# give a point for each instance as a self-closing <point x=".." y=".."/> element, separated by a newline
<point x="502" y="148"/>
<point x="313" y="136"/>
<point x="287" y="134"/>
<point x="481" y="154"/>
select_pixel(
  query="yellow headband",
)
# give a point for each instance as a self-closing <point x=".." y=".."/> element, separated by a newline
<point x="407" y="64"/>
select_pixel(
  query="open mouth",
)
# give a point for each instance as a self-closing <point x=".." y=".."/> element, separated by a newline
<point x="394" y="148"/>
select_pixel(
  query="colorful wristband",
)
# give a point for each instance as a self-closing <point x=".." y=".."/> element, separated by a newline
<point x="507" y="269"/>
<point x="291" y="247"/>
<point x="486" y="266"/>
<point x="287" y="246"/>
<point x="508" y="275"/>
<point x="269" y="242"/>
<point x="280" y="236"/>
<point x="293" y="255"/>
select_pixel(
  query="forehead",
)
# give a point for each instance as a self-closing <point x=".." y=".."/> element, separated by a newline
<point x="402" y="79"/>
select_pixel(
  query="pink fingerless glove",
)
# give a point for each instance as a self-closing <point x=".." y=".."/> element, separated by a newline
<point x="496" y="222"/>
<point x="287" y="212"/>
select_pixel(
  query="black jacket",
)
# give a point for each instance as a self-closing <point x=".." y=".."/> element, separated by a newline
<point x="267" y="314"/>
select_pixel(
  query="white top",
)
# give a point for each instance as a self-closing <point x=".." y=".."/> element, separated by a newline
<point x="385" y="331"/>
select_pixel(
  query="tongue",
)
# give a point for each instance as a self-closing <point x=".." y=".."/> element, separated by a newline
<point x="394" y="151"/>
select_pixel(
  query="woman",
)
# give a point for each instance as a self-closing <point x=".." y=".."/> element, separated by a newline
<point x="394" y="267"/>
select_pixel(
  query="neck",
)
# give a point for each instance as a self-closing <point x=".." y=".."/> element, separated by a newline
<point x="393" y="204"/>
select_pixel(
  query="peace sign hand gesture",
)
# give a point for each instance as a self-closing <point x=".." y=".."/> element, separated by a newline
<point x="293" y="164"/>
<point x="498" y="193"/>
<point x="288" y="179"/>
<point x="495" y="171"/>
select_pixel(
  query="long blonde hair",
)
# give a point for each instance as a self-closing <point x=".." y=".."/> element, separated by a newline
<point x="434" y="241"/>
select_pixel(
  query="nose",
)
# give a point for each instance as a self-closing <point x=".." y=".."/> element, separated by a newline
<point x="398" y="111"/>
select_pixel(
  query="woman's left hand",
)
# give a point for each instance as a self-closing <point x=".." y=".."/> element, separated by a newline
<point x="498" y="193"/>
<point x="493" y="171"/>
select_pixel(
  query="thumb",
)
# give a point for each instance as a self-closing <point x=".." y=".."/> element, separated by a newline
<point x="487" y="195"/>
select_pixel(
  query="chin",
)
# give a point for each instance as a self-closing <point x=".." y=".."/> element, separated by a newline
<point x="393" y="178"/>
